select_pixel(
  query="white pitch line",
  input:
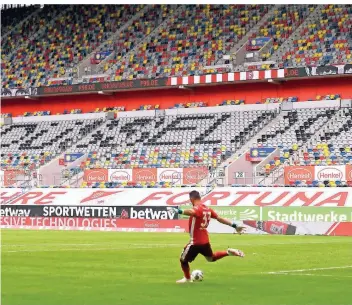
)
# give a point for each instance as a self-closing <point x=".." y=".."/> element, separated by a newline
<point x="310" y="269"/>
<point x="312" y="274"/>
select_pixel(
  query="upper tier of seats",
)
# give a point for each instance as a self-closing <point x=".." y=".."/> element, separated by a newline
<point x="326" y="39"/>
<point x="280" y="26"/>
<point x="58" y="38"/>
<point x="194" y="37"/>
<point x="165" y="40"/>
<point x="11" y="17"/>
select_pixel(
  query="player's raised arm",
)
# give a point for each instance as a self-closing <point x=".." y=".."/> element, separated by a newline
<point x="188" y="212"/>
<point x="230" y="223"/>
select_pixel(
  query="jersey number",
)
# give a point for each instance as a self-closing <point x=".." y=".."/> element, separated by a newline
<point x="206" y="219"/>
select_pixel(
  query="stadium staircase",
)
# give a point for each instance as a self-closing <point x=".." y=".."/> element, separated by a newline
<point x="242" y="42"/>
<point x="218" y="173"/>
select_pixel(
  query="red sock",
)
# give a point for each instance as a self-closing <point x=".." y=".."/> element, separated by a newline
<point x="219" y="255"/>
<point x="185" y="269"/>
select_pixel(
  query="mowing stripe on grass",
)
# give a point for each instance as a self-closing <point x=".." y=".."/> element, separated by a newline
<point x="95" y="244"/>
<point x="87" y="249"/>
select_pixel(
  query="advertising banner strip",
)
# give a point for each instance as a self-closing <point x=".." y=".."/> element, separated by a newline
<point x="106" y="86"/>
<point x="345" y="69"/>
<point x="320" y="173"/>
<point x="140" y="225"/>
<point x="285" y="214"/>
<point x="288" y="214"/>
<point x="219" y="196"/>
<point x="174" y="176"/>
<point x="100" y="224"/>
<point x="131" y="212"/>
<point x="11" y="175"/>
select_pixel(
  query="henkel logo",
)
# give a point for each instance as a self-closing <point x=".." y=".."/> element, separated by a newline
<point x="299" y="173"/>
<point x="144" y="175"/>
<point x="330" y="173"/>
<point x="96" y="175"/>
<point x="169" y="175"/>
<point x="10" y="176"/>
<point x="349" y="172"/>
<point x="194" y="175"/>
<point x="120" y="176"/>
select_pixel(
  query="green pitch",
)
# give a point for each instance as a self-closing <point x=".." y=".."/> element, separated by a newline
<point x="74" y="268"/>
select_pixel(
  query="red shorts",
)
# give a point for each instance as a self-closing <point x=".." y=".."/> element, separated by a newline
<point x="190" y="252"/>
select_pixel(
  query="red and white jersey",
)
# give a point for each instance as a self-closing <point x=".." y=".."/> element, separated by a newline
<point x="198" y="224"/>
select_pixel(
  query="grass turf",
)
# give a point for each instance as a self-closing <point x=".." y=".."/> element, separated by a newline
<point x="61" y="267"/>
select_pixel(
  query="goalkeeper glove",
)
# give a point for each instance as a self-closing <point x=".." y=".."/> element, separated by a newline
<point x="175" y="210"/>
<point x="234" y="225"/>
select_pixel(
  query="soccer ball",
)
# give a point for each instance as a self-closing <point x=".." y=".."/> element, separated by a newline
<point x="197" y="276"/>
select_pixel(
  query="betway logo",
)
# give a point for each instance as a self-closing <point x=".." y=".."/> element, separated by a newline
<point x="150" y="213"/>
<point x="14" y="212"/>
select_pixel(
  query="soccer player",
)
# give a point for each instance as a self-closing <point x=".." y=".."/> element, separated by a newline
<point x="200" y="216"/>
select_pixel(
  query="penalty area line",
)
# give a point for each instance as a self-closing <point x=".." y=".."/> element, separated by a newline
<point x="312" y="274"/>
<point x="304" y="270"/>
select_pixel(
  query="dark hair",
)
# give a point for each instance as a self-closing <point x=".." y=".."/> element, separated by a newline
<point x="194" y="195"/>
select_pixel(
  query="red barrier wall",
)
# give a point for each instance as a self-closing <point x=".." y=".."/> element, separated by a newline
<point x="166" y="98"/>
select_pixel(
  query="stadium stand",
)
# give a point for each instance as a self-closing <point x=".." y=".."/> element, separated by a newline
<point x="321" y="137"/>
<point x="35" y="144"/>
<point x="326" y="39"/>
<point x="12" y="17"/>
<point x="162" y="41"/>
<point x="182" y="48"/>
<point x="80" y="29"/>
<point x="131" y="36"/>
<point x="171" y="141"/>
<point x="285" y="20"/>
<point x="41" y="47"/>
